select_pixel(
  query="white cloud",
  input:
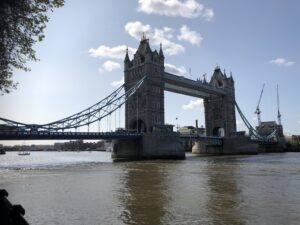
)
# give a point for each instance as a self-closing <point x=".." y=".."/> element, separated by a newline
<point x="190" y="36"/>
<point x="281" y="62"/>
<point x="194" y="104"/>
<point x="157" y="36"/>
<point x="181" y="71"/>
<point x="117" y="52"/>
<point x="162" y="36"/>
<point x="137" y="29"/>
<point x="110" y="66"/>
<point x="183" y="8"/>
<point x="208" y="14"/>
<point x="117" y="82"/>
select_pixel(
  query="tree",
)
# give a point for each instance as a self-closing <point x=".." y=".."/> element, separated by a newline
<point x="22" y="23"/>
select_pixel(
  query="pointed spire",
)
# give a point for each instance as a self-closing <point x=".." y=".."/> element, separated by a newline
<point x="204" y="80"/>
<point x="126" y="56"/>
<point x="217" y="68"/>
<point x="231" y="77"/>
<point x="278" y="111"/>
<point x="161" y="54"/>
<point x="143" y="36"/>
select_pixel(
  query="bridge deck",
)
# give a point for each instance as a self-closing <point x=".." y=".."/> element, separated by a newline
<point x="182" y="85"/>
<point x="209" y="140"/>
<point x="44" y="135"/>
<point x="26" y="135"/>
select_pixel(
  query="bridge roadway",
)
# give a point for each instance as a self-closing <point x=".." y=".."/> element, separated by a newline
<point x="182" y="85"/>
<point x="45" y="135"/>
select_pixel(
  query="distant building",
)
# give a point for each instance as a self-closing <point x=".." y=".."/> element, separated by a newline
<point x="79" y="145"/>
<point x="268" y="127"/>
<point x="166" y="128"/>
<point x="296" y="138"/>
<point x="58" y="146"/>
<point x="188" y="130"/>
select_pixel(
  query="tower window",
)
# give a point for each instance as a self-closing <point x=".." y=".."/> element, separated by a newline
<point x="220" y="83"/>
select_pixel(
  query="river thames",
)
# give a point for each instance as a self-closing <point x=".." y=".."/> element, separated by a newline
<point x="87" y="188"/>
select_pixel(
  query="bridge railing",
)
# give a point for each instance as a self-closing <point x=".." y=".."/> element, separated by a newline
<point x="210" y="140"/>
<point x="39" y="135"/>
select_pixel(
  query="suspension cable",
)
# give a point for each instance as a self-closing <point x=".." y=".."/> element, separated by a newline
<point x="115" y="112"/>
<point x="252" y="131"/>
<point x="90" y="115"/>
<point x="137" y="112"/>
<point x="120" y="116"/>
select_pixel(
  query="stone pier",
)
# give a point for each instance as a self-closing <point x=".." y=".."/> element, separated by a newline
<point x="231" y="146"/>
<point x="153" y="145"/>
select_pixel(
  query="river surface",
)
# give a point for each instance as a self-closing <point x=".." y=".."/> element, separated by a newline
<point x="87" y="188"/>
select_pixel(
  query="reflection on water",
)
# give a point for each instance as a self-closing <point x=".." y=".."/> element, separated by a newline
<point x="144" y="196"/>
<point x="237" y="190"/>
<point x="223" y="205"/>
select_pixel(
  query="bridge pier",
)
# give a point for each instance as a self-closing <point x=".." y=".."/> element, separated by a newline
<point x="280" y="146"/>
<point x="126" y="149"/>
<point x="239" y="145"/>
<point x="231" y="146"/>
<point x="155" y="145"/>
<point x="202" y="147"/>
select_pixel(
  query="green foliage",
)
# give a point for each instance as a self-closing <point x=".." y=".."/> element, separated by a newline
<point x="295" y="143"/>
<point x="22" y="23"/>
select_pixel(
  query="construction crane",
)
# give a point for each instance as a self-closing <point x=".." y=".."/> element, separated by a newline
<point x="257" y="111"/>
<point x="278" y="111"/>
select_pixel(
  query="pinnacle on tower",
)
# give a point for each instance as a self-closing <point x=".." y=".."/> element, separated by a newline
<point x="161" y="51"/>
<point x="144" y="38"/>
<point x="126" y="56"/>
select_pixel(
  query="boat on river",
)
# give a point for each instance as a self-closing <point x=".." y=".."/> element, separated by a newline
<point x="23" y="153"/>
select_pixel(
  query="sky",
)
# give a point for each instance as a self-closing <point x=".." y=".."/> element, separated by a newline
<point x="81" y="57"/>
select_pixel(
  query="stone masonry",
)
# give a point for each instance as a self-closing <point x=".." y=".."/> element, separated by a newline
<point x="220" y="110"/>
<point x="150" y="96"/>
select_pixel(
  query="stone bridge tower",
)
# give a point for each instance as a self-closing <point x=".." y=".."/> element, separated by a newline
<point x="145" y="109"/>
<point x="220" y="110"/>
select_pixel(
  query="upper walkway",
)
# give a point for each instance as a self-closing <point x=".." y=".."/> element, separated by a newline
<point x="182" y="85"/>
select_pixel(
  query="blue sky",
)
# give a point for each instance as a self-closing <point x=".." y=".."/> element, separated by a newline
<point x="82" y="56"/>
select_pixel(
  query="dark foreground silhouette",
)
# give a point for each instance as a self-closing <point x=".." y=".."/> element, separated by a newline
<point x="10" y="214"/>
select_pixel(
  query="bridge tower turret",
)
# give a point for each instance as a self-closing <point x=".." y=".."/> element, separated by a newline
<point x="220" y="117"/>
<point x="145" y="109"/>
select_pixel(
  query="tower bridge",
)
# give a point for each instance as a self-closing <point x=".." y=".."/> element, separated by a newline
<point x="146" y="107"/>
<point x="143" y="96"/>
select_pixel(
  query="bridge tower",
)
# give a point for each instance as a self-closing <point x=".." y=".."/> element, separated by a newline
<point x="219" y="110"/>
<point x="145" y="109"/>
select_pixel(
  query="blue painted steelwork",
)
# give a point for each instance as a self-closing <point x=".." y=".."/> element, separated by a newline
<point x="86" y="117"/>
<point x="214" y="141"/>
<point x="46" y="135"/>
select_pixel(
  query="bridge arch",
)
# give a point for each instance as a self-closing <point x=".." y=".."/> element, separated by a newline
<point x="138" y="125"/>
<point x="219" y="132"/>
